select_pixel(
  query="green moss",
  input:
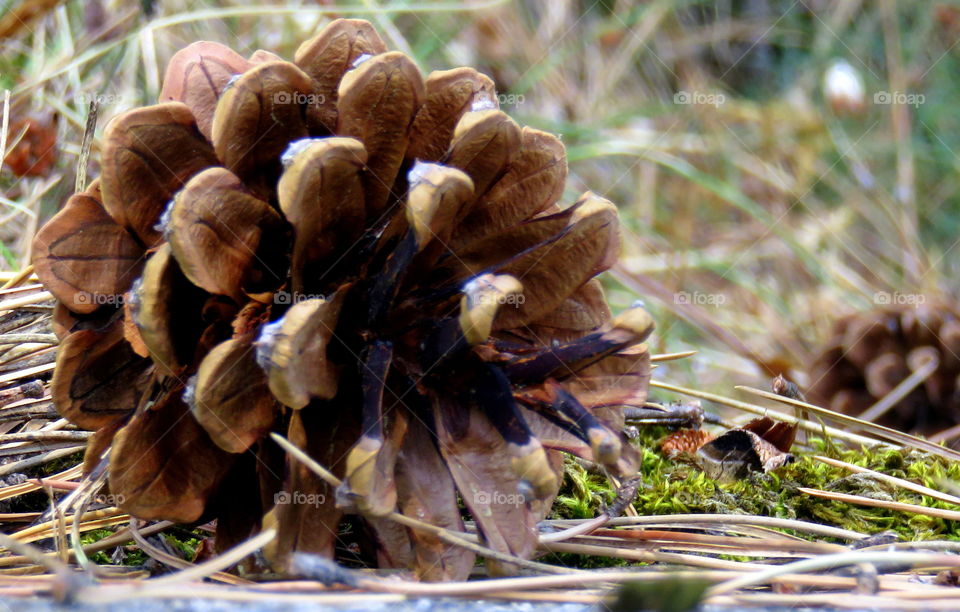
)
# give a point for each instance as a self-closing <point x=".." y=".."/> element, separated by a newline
<point x="678" y="487"/>
<point x="133" y="556"/>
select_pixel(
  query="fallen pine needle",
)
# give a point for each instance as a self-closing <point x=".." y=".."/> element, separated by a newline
<point x="951" y="515"/>
<point x="900" y="482"/>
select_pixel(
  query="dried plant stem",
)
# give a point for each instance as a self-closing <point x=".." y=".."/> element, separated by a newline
<point x="28" y="338"/>
<point x="651" y="556"/>
<point x="64" y="580"/>
<point x="16" y="466"/>
<point x="577" y="530"/>
<point x="41" y="296"/>
<point x="46" y="436"/>
<point x="444" y="534"/>
<point x="26" y="373"/>
<point x="682" y="520"/>
<point x="172" y="585"/>
<point x="899" y="392"/>
<point x="830" y="562"/>
<point x="879" y="430"/>
<point x="760" y="410"/>
<point x="29" y="487"/>
<point x="673" y="537"/>
<point x="19" y="277"/>
<point x="950" y="515"/>
<point x="39" y="532"/>
<point x="121" y="537"/>
<point x="173" y="561"/>
<point x="900" y="482"/>
<point x="11" y="278"/>
<point x="671" y="356"/>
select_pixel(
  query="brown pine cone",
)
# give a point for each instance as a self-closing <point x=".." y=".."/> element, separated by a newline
<point x="373" y="264"/>
<point x="872" y="352"/>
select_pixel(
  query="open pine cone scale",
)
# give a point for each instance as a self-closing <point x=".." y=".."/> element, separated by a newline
<point x="371" y="263"/>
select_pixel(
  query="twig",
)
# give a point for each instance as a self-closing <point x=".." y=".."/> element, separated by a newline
<point x="46" y="436"/>
<point x="28" y="338"/>
<point x="16" y="466"/>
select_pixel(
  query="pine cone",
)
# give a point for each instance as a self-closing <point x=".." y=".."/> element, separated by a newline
<point x="872" y="352"/>
<point x="371" y="263"/>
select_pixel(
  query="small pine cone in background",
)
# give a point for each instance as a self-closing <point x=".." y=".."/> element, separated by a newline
<point x="872" y="352"/>
<point x="373" y="264"/>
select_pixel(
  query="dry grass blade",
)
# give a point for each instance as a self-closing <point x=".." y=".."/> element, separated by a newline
<point x="762" y="411"/>
<point x="906" y="484"/>
<point x="830" y="562"/>
<point x="16" y="466"/>
<point x="672" y="356"/>
<point x="950" y="515"/>
<point x="880" y="431"/>
<point x="682" y="520"/>
<point x="174" y="561"/>
<point x="172" y="585"/>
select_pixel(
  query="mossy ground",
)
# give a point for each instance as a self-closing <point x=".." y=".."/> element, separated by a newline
<point x="679" y="487"/>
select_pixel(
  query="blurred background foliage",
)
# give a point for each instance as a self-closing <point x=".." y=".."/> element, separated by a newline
<point x="757" y="205"/>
